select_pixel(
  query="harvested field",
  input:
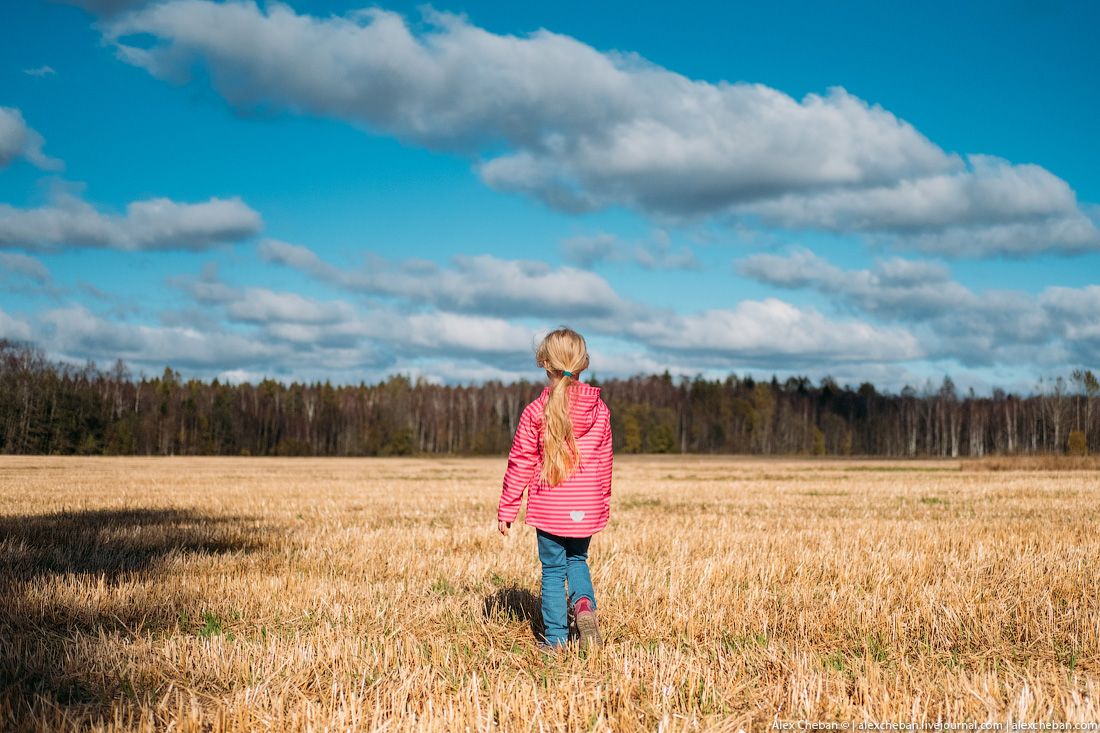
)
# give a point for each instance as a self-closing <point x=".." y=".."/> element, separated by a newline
<point x="223" y="594"/>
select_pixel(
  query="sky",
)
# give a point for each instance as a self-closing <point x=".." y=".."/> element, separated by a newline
<point x="321" y="190"/>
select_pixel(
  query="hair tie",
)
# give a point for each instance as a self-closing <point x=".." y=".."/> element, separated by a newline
<point x="566" y="373"/>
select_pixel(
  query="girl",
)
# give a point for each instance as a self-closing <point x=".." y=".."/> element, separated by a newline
<point x="561" y="453"/>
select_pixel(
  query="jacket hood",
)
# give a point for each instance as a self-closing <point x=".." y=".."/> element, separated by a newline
<point x="584" y="405"/>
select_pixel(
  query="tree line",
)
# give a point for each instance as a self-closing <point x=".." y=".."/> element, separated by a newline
<point x="50" y="407"/>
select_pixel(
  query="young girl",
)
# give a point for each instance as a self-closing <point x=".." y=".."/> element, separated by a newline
<point x="561" y="454"/>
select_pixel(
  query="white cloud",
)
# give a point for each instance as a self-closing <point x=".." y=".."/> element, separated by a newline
<point x="991" y="208"/>
<point x="471" y="283"/>
<point x="297" y="319"/>
<point x="14" y="329"/>
<point x="771" y="331"/>
<point x="252" y="330"/>
<point x="1078" y="312"/>
<point x="583" y="129"/>
<point x="978" y="329"/>
<point x="300" y="258"/>
<point x="752" y="332"/>
<point x="627" y="359"/>
<point x="587" y="250"/>
<point x="13" y="263"/>
<point x="40" y="71"/>
<point x="17" y="140"/>
<point x="406" y="335"/>
<point x="152" y="224"/>
<point x="282" y="315"/>
<point x="241" y="376"/>
<point x="457" y="371"/>
<point x="260" y="305"/>
<point x="894" y="288"/>
<point x="76" y="331"/>
<point x="207" y="289"/>
<point x="594" y="121"/>
<point x="444" y="333"/>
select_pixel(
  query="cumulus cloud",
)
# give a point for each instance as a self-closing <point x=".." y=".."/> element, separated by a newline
<point x="406" y="334"/>
<point x="754" y="332"/>
<point x="894" y="288"/>
<point x="255" y="305"/>
<point x="470" y="283"/>
<point x="260" y="305"/>
<point x="451" y="333"/>
<point x="587" y="250"/>
<point x="992" y="207"/>
<point x="297" y="319"/>
<point x="978" y="329"/>
<point x="76" y="331"/>
<point x="420" y="322"/>
<point x="250" y="330"/>
<point x="18" y="140"/>
<point x="771" y="331"/>
<point x="572" y="113"/>
<point x="152" y="224"/>
<point x="581" y="129"/>
<point x="1076" y="310"/>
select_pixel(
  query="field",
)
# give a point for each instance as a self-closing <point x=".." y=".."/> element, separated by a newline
<point x="299" y="594"/>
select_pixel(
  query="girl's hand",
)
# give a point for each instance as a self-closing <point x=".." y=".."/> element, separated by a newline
<point x="503" y="527"/>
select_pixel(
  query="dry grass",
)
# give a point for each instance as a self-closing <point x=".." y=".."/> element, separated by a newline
<point x="241" y="594"/>
<point x="1035" y="463"/>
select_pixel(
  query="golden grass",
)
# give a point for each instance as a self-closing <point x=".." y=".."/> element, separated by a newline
<point x="296" y="594"/>
<point x="1035" y="463"/>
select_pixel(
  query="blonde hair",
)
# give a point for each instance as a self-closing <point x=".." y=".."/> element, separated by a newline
<point x="563" y="349"/>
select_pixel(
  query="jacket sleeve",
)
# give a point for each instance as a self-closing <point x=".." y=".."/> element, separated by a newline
<point x="606" y="455"/>
<point x="523" y="463"/>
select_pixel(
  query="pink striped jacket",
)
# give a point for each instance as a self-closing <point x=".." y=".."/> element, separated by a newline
<point x="580" y="505"/>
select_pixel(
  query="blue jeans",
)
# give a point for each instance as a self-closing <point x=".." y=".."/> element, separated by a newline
<point x="562" y="558"/>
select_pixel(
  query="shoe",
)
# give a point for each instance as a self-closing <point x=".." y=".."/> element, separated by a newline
<point x="587" y="627"/>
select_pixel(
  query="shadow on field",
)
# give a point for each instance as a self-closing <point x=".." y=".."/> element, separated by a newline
<point x="72" y="582"/>
<point x="515" y="603"/>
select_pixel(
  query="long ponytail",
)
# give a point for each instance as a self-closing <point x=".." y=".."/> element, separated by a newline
<point x="559" y="458"/>
<point x="562" y="350"/>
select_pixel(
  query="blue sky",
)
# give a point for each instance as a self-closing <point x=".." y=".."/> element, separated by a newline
<point x="329" y="190"/>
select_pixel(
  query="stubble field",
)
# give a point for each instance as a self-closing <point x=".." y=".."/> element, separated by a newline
<point x="297" y="594"/>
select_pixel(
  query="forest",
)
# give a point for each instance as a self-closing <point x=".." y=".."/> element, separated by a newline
<point x="49" y="407"/>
